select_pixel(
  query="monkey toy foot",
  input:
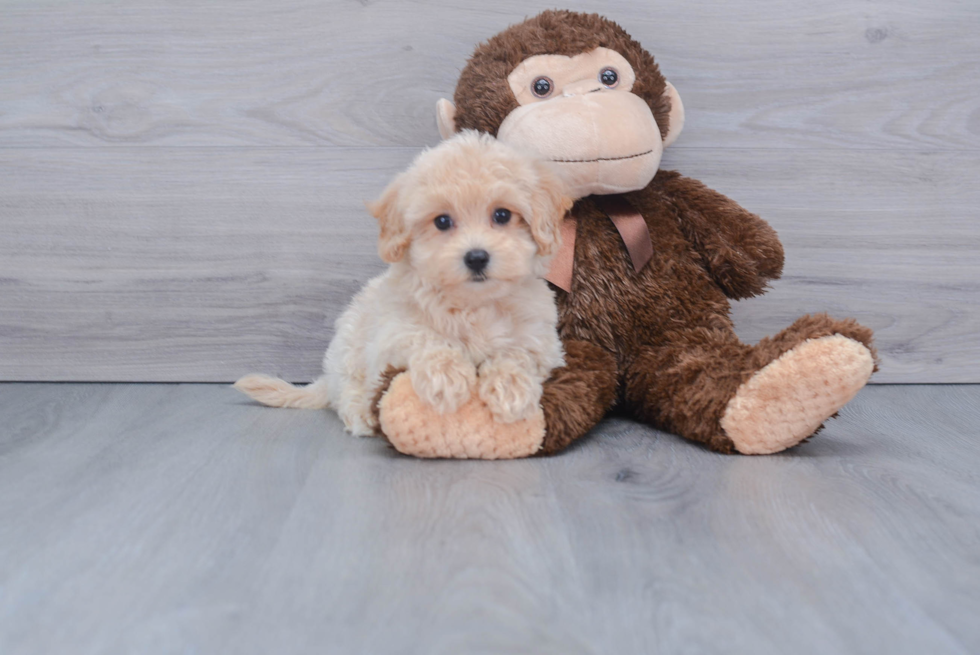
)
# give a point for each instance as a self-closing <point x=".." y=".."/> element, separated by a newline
<point x="417" y="429"/>
<point x="788" y="399"/>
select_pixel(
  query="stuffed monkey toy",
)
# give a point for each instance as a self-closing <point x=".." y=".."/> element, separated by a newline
<point x="650" y="260"/>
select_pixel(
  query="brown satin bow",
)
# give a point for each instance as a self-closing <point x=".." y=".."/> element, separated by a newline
<point x="631" y="226"/>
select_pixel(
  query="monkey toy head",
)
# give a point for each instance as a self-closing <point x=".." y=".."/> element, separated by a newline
<point x="575" y="89"/>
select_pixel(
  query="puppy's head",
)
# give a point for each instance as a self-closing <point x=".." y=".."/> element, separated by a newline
<point x="473" y="213"/>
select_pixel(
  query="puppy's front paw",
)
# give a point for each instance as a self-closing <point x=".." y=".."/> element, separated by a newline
<point x="443" y="378"/>
<point x="509" y="390"/>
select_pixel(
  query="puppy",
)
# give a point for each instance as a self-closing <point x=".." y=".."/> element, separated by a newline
<point x="468" y="231"/>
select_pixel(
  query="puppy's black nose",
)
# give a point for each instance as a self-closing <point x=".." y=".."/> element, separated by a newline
<point x="476" y="260"/>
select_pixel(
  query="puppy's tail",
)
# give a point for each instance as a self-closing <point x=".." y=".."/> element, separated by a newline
<point x="279" y="393"/>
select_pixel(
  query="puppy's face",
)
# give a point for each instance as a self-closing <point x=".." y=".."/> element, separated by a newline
<point x="473" y="214"/>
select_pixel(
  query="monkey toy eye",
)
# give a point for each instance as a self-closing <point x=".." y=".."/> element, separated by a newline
<point x="501" y="216"/>
<point x="541" y="87"/>
<point x="443" y="222"/>
<point x="609" y="77"/>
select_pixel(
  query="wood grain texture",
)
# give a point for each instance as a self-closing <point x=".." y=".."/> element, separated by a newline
<point x="133" y="265"/>
<point x="181" y="518"/>
<point x="182" y="185"/>
<point x="779" y="73"/>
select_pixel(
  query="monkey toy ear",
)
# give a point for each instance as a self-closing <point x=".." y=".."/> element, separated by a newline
<point x="446" y="117"/>
<point x="676" y="119"/>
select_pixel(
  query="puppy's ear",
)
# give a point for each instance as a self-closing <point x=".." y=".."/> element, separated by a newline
<point x="394" y="238"/>
<point x="549" y="204"/>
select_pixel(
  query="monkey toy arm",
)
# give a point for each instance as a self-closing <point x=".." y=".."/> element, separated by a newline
<point x="740" y="251"/>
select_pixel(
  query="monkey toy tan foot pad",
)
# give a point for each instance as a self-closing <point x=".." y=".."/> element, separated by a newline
<point x="415" y="428"/>
<point x="789" y="398"/>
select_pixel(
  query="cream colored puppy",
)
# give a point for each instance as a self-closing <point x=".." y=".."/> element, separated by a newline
<point x="469" y="230"/>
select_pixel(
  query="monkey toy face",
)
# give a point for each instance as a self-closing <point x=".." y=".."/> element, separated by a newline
<point x="574" y="89"/>
<point x="581" y="113"/>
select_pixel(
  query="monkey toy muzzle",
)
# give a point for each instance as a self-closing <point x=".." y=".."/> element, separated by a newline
<point x="604" y="141"/>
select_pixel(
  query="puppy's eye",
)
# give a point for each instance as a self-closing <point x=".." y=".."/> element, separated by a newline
<point x="501" y="216"/>
<point x="609" y="77"/>
<point x="443" y="222"/>
<point x="541" y="87"/>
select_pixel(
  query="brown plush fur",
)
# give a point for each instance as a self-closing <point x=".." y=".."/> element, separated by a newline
<point x="659" y="344"/>
<point x="578" y="395"/>
<point x="678" y="361"/>
<point x="390" y="373"/>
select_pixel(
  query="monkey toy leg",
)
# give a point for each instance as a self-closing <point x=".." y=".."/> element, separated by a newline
<point x="578" y="395"/>
<point x="707" y="386"/>
<point x="575" y="398"/>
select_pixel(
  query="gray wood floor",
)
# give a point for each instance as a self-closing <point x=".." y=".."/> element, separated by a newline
<point x="181" y="518"/>
<point x="182" y="183"/>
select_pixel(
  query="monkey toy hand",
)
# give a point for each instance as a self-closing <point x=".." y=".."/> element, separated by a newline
<point x="416" y="428"/>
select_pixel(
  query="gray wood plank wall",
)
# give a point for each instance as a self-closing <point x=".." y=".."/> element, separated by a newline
<point x="182" y="187"/>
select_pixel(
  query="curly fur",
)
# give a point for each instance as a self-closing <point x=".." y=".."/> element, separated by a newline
<point x="458" y="332"/>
